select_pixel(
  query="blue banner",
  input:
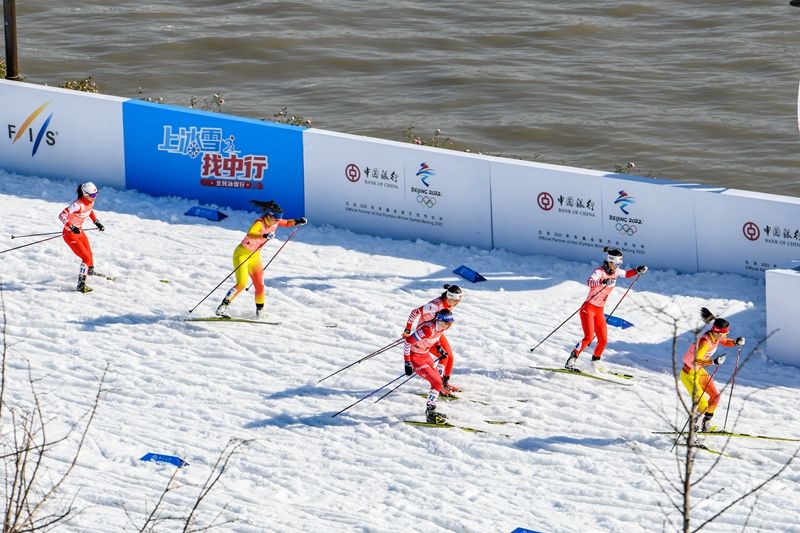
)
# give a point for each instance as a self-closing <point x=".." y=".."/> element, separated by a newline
<point x="216" y="159"/>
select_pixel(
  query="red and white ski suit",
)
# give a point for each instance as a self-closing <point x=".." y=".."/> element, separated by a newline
<point x="593" y="319"/>
<point x="74" y="215"/>
<point x="426" y="313"/>
<point x="422" y="350"/>
<point x="694" y="375"/>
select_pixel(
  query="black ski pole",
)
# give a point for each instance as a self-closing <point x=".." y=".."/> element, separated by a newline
<point x="43" y="234"/>
<point x="733" y="382"/>
<point x="401" y="384"/>
<point x="693" y="406"/>
<point x="368" y="395"/>
<point x="568" y="318"/>
<point x="368" y="356"/>
<point x="226" y="277"/>
<point x="31" y="243"/>
<point x="626" y="293"/>
<point x="276" y="253"/>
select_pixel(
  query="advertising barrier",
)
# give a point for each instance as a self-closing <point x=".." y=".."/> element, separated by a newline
<point x="393" y="189"/>
<point x="783" y="286"/>
<point x="746" y="232"/>
<point x="61" y="134"/>
<point x="573" y="213"/>
<point x="397" y="190"/>
<point x="214" y="158"/>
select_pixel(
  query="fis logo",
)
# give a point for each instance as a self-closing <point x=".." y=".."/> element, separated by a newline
<point x="424" y="173"/>
<point x="623" y="201"/>
<point x="33" y="133"/>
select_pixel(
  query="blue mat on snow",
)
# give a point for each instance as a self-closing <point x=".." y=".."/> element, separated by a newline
<point x="468" y="274"/>
<point x="206" y="212"/>
<point x="159" y="458"/>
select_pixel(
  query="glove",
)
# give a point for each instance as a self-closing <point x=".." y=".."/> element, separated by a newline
<point x="641" y="269"/>
<point x="442" y="352"/>
<point x="99" y="225"/>
<point x="740" y="341"/>
<point x="74" y="229"/>
<point x="269" y="236"/>
<point x="719" y="359"/>
<point x="408" y="368"/>
<point x="406" y="332"/>
<point x="300" y="221"/>
<point x="609" y="281"/>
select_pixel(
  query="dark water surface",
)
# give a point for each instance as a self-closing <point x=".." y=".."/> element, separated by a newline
<point x="688" y="90"/>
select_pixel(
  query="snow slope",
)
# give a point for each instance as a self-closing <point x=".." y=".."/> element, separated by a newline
<point x="572" y="457"/>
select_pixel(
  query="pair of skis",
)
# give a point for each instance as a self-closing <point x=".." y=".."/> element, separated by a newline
<point x="242" y="320"/>
<point x="611" y="377"/>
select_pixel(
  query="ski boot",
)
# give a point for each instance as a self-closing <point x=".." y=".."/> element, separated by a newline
<point x="570" y="364"/>
<point x="222" y="310"/>
<point x="432" y="416"/>
<point x="82" y="286"/>
<point x="706" y="426"/>
<point x="260" y="313"/>
<point x="597" y="366"/>
<point x="449" y="387"/>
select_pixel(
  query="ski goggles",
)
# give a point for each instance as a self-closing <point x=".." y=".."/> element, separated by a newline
<point x="616" y="259"/>
<point x="273" y="214"/>
<point x="93" y="195"/>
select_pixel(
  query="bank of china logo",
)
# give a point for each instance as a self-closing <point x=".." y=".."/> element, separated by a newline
<point x="623" y="201"/>
<point x="40" y="134"/>
<point x="424" y="173"/>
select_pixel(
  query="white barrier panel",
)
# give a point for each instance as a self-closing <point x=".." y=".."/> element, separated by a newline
<point x="572" y="213"/>
<point x="783" y="286"/>
<point x="62" y="134"/>
<point x="746" y="232"/>
<point x="397" y="190"/>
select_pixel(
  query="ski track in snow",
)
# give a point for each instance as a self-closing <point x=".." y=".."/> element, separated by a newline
<point x="571" y="458"/>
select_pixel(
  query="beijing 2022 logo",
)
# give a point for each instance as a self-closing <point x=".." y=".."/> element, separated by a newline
<point x="623" y="201"/>
<point x="426" y="197"/>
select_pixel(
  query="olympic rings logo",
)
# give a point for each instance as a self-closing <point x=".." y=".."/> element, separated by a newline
<point x="427" y="201"/>
<point x="627" y="229"/>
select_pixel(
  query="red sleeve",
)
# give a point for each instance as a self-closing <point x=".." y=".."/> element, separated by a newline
<point x="93" y="216"/>
<point x="630" y="273"/>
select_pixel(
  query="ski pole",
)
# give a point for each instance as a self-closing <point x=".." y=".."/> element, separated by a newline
<point x="626" y="293"/>
<point x="43" y="234"/>
<point x="368" y="356"/>
<point x="559" y="327"/>
<point x="568" y="318"/>
<point x="403" y="383"/>
<point x="276" y="253"/>
<point x="226" y="277"/>
<point x="31" y="243"/>
<point x="733" y="382"/>
<point x="711" y="379"/>
<point x="368" y="395"/>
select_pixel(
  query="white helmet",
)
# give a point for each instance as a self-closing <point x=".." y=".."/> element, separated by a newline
<point x="88" y="188"/>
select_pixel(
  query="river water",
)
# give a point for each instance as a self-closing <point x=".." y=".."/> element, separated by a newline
<point x="699" y="91"/>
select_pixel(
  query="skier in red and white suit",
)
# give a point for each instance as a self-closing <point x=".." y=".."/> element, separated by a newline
<point x="593" y="320"/>
<point x="73" y="217"/>
<point x="449" y="299"/>
<point x="423" y="352"/>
